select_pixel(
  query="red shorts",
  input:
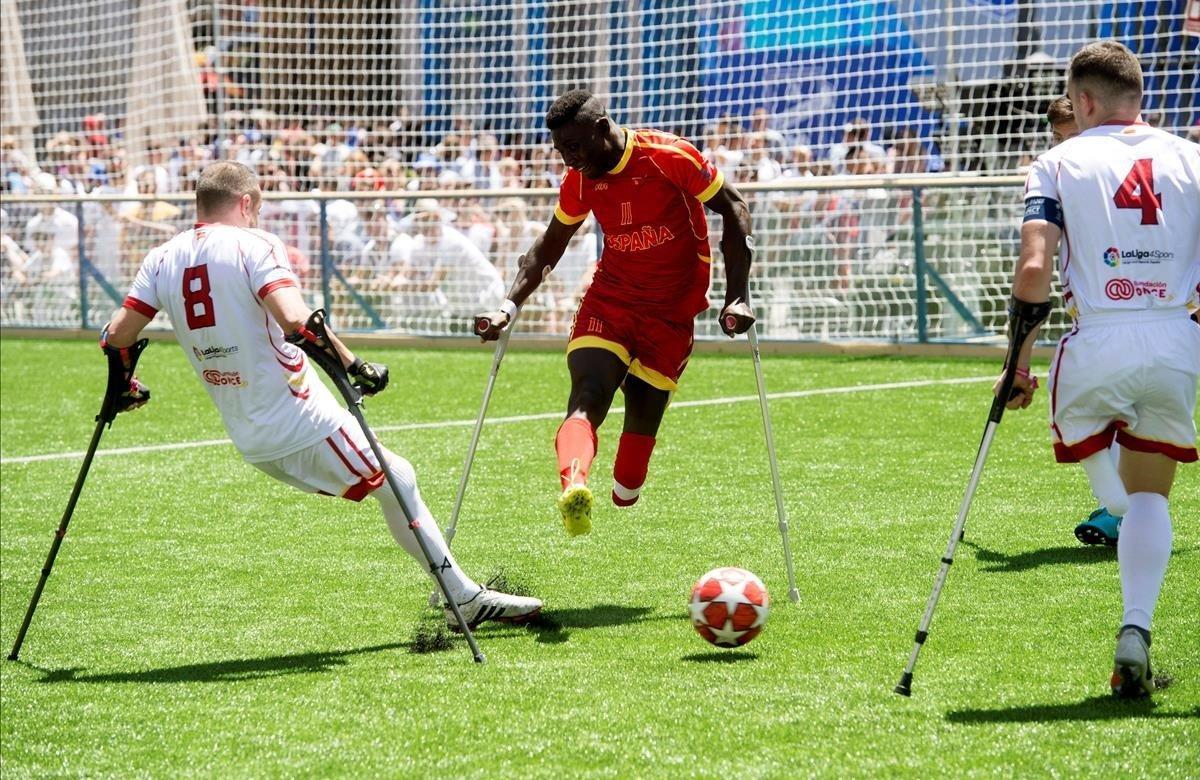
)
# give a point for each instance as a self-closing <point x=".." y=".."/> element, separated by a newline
<point x="655" y="350"/>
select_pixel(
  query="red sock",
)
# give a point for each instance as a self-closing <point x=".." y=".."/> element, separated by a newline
<point x="576" y="441"/>
<point x="629" y="472"/>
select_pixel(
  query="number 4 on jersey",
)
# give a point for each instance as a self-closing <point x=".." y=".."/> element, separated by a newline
<point x="1137" y="192"/>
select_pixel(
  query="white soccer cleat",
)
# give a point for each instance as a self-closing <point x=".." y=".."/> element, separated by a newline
<point x="1131" y="677"/>
<point x="494" y="605"/>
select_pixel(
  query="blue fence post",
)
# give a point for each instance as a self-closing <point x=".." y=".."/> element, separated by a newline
<point x="326" y="260"/>
<point x="919" y="266"/>
<point x="82" y="261"/>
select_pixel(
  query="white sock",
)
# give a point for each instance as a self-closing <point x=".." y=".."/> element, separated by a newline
<point x="1143" y="550"/>
<point x="1106" y="483"/>
<point x="461" y="587"/>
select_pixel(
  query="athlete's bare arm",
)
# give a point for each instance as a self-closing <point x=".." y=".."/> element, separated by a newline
<point x="1031" y="283"/>
<point x="737" y="228"/>
<point x="125" y="327"/>
<point x="541" y="257"/>
<point x="288" y="308"/>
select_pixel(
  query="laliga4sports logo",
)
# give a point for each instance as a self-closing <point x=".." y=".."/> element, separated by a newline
<point x="1121" y="289"/>
<point x="210" y="353"/>
<point x="1113" y="256"/>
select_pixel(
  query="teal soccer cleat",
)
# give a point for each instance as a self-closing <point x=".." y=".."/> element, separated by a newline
<point x="1101" y="527"/>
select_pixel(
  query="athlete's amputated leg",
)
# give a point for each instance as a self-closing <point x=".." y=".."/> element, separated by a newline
<point x="644" y="409"/>
<point x="1143" y="552"/>
<point x="595" y="376"/>
<point x="461" y="587"/>
<point x="476" y="603"/>
<point x="1144" y="547"/>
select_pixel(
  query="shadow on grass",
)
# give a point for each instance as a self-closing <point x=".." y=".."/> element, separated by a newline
<point x="1096" y="708"/>
<point x="1049" y="556"/>
<point x="554" y="626"/>
<point x="223" y="671"/>
<point x="719" y="657"/>
<point x="551" y="627"/>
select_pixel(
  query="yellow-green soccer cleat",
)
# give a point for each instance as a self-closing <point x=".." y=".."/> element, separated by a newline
<point x="575" y="506"/>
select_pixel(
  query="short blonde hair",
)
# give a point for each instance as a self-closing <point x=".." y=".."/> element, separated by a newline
<point x="1109" y="70"/>
<point x="222" y="184"/>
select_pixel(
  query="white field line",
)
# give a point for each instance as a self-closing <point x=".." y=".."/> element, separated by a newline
<point x="735" y="399"/>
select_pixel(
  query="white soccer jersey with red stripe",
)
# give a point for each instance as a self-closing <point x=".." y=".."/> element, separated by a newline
<point x="1130" y="201"/>
<point x="211" y="281"/>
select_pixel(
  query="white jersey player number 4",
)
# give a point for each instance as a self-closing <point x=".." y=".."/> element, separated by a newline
<point x="1130" y="209"/>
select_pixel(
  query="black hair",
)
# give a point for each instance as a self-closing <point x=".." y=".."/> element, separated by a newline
<point x="578" y="105"/>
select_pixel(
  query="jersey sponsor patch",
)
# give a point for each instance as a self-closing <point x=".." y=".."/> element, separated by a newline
<point x="1113" y="256"/>
<point x="212" y="353"/>
<point x="1040" y="207"/>
<point x="222" y="378"/>
<point x="1122" y="289"/>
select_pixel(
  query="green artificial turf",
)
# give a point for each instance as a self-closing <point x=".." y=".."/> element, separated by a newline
<point x="202" y="620"/>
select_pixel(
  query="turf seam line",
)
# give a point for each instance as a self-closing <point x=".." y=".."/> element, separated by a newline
<point x="734" y="399"/>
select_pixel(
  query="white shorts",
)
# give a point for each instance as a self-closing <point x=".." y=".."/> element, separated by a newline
<point x="1131" y="377"/>
<point x="340" y="465"/>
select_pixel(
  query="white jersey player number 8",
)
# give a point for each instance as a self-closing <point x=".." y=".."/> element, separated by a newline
<point x="213" y="279"/>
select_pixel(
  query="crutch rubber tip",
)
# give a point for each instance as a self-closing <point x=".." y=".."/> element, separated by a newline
<point x="794" y="595"/>
<point x="12" y="656"/>
<point x="904" y="688"/>
<point x="480" y="658"/>
<point x="731" y="322"/>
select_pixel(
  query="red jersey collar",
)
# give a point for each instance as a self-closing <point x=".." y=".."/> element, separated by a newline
<point x="620" y="166"/>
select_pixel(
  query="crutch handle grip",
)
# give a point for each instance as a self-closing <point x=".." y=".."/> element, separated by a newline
<point x="481" y="325"/>
<point x="730" y="321"/>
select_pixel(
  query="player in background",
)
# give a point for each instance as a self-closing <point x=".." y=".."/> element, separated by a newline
<point x="1101" y="526"/>
<point x="634" y="327"/>
<point x="233" y="299"/>
<point x="1062" y="121"/>
<point x="1125" y="199"/>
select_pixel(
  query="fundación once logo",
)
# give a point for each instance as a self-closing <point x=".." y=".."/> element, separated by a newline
<point x="1121" y="289"/>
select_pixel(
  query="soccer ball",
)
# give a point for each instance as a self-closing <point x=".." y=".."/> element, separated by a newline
<point x="729" y="606"/>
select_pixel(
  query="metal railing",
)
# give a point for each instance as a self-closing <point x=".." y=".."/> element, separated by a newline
<point x="886" y="258"/>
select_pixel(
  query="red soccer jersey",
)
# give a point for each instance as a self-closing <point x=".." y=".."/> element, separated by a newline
<point x="650" y="207"/>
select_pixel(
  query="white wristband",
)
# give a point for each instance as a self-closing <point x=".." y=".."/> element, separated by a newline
<point x="509" y="308"/>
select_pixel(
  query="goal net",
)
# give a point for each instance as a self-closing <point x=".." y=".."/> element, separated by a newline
<point x="434" y="96"/>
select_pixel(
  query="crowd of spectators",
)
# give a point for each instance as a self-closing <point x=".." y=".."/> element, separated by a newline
<point x="408" y="257"/>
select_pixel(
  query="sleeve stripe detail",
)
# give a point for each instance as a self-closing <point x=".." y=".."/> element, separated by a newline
<point x="141" y="307"/>
<point x="667" y="148"/>
<point x="566" y="218"/>
<point x="271" y="287"/>
<point x="712" y="189"/>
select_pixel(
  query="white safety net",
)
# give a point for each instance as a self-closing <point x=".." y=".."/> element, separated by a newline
<point x="121" y="96"/>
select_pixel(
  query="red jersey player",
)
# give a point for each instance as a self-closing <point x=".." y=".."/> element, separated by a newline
<point x="634" y="327"/>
